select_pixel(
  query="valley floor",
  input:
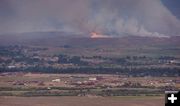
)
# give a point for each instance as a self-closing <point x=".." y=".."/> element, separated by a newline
<point x="81" y="101"/>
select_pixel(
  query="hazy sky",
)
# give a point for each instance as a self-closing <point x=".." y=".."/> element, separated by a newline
<point x="108" y="17"/>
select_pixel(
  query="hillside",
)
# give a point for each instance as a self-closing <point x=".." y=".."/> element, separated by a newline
<point x="59" y="39"/>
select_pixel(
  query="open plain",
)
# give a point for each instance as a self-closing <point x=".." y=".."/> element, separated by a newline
<point x="81" y="101"/>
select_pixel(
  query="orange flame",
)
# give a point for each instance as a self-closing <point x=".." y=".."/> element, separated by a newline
<point x="95" y="35"/>
<point x="98" y="35"/>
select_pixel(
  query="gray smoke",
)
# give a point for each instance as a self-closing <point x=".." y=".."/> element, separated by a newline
<point x="108" y="17"/>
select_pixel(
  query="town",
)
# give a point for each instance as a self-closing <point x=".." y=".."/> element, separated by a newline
<point x="34" y="84"/>
<point x="31" y="71"/>
<point x="35" y="59"/>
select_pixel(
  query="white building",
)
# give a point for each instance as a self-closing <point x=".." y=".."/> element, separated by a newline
<point x="92" y="79"/>
<point x="10" y="67"/>
<point x="56" y="80"/>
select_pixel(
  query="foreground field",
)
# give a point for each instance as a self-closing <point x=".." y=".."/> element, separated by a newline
<point x="81" y="101"/>
<point x="34" y="84"/>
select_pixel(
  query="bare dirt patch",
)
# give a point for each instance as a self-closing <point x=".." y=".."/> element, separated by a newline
<point x="81" y="101"/>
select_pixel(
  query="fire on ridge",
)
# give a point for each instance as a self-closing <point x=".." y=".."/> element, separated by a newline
<point x="95" y="35"/>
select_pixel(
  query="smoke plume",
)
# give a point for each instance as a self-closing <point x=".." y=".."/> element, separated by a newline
<point x="108" y="17"/>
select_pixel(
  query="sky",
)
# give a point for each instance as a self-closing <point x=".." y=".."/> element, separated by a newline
<point x="159" y="18"/>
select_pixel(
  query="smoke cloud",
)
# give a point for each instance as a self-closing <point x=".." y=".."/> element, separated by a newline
<point x="108" y="17"/>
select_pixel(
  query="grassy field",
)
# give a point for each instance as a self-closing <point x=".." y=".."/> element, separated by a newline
<point x="34" y="84"/>
<point x="81" y="101"/>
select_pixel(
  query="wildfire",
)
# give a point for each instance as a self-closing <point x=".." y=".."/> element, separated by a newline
<point x="97" y="35"/>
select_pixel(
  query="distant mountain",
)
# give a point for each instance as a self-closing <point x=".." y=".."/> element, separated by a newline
<point x="61" y="38"/>
<point x="34" y="38"/>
